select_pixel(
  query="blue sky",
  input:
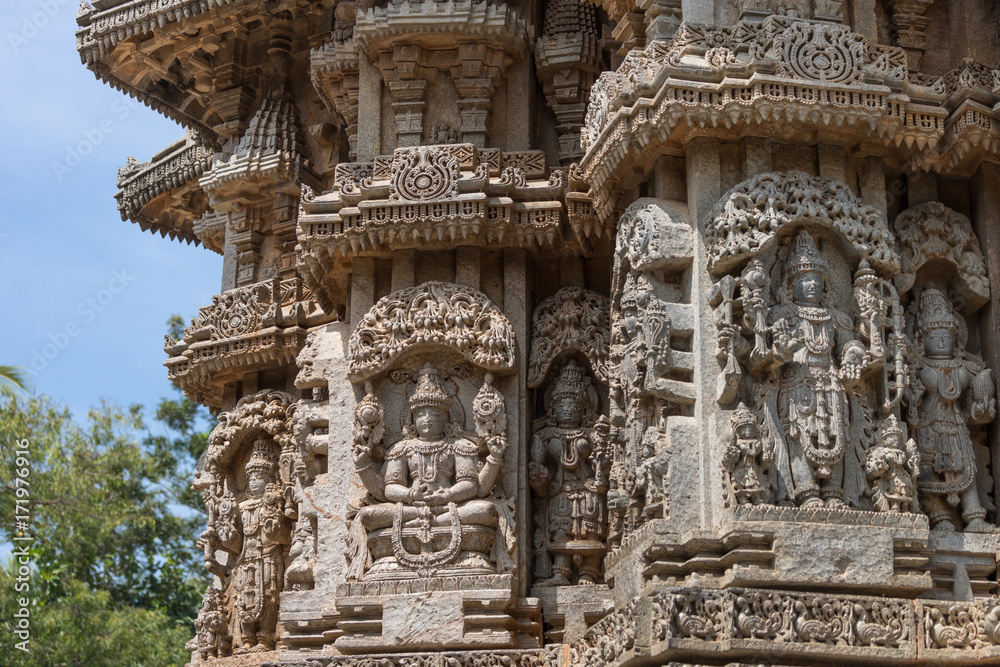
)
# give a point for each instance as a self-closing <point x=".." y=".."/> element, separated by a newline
<point x="86" y="296"/>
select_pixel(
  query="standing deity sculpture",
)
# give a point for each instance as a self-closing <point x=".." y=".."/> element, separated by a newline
<point x="256" y="532"/>
<point x="952" y="390"/>
<point x="892" y="468"/>
<point x="434" y="511"/>
<point x="819" y="359"/>
<point x="211" y="639"/>
<point x="746" y="459"/>
<point x="568" y="470"/>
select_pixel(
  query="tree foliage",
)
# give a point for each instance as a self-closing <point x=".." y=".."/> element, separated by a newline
<point x="116" y="579"/>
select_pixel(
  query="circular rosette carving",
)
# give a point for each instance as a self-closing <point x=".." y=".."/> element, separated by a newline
<point x="748" y="219"/>
<point x="429" y="316"/>
<point x="822" y="52"/>
<point x="571" y="320"/>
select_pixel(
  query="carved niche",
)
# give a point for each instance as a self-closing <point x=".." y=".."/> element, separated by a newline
<point x="248" y="480"/>
<point x="950" y="393"/>
<point x="651" y="364"/>
<point x="810" y="338"/>
<point x="434" y="506"/>
<point x="570" y="458"/>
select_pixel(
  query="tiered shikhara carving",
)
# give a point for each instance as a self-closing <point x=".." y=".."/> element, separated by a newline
<point x="608" y="332"/>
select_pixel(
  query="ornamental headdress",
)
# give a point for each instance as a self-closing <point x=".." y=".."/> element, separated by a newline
<point x="262" y="460"/>
<point x="805" y="257"/>
<point x="742" y="416"/>
<point x="429" y="391"/>
<point x="892" y="432"/>
<point x="935" y="312"/>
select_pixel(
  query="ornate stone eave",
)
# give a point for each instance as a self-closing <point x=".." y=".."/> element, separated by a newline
<point x="248" y="329"/>
<point x="136" y="47"/>
<point x="972" y="131"/>
<point x="334" y="70"/>
<point x="163" y="195"/>
<point x="439" y="197"/>
<point x="753" y="79"/>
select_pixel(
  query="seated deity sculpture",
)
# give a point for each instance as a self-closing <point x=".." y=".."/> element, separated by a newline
<point x="818" y="359"/>
<point x="952" y="391"/>
<point x="568" y="471"/>
<point x="435" y="513"/>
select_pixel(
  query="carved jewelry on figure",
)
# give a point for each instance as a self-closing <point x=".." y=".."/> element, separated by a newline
<point x="952" y="390"/>
<point x="433" y="505"/>
<point x="568" y="471"/>
<point x="746" y="459"/>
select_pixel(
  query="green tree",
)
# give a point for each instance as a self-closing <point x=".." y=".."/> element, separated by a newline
<point x="83" y="628"/>
<point x="11" y="379"/>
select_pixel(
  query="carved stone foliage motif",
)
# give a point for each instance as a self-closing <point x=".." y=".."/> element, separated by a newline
<point x="932" y="235"/>
<point x="651" y="363"/>
<point x="434" y="314"/>
<point x="252" y="512"/>
<point x="426" y="172"/>
<point x="571" y="320"/>
<point x="434" y="508"/>
<point x="821" y="363"/>
<point x="751" y="216"/>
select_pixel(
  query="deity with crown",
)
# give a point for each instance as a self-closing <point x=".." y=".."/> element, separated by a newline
<point x="892" y="468"/>
<point x="568" y="471"/>
<point x="746" y="459"/>
<point x="952" y="390"/>
<point x="435" y="516"/>
<point x="261" y="539"/>
<point x="818" y="358"/>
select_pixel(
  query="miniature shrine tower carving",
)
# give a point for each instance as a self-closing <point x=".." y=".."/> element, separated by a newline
<point x="583" y="333"/>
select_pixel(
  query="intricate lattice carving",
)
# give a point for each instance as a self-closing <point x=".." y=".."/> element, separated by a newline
<point x="749" y="217"/>
<point x="933" y="233"/>
<point x="431" y="315"/>
<point x="571" y="320"/>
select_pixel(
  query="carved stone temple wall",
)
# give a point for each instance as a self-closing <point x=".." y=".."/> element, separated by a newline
<point x="572" y="334"/>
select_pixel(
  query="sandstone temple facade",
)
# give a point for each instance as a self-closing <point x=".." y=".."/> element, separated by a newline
<point x="583" y="333"/>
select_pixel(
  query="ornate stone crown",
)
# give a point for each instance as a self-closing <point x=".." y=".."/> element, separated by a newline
<point x="805" y="257"/>
<point x="572" y="382"/>
<point x="935" y="312"/>
<point x="262" y="460"/>
<point x="892" y="432"/>
<point x="742" y="416"/>
<point x="429" y="391"/>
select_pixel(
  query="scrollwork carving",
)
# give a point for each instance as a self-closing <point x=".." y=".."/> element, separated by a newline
<point x="433" y="314"/>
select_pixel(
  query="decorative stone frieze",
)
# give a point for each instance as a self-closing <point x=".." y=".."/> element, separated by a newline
<point x="718" y="389"/>
<point x="250" y="327"/>
<point x="770" y="76"/>
<point x="168" y="183"/>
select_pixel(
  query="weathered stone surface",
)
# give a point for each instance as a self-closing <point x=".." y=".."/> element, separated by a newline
<point x="583" y="334"/>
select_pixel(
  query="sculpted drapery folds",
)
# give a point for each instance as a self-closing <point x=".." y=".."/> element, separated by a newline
<point x="811" y="337"/>
<point x="818" y="358"/>
<point x="568" y="470"/>
<point x="436" y="511"/>
<point x="251" y="515"/>
<point x="952" y="390"/>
